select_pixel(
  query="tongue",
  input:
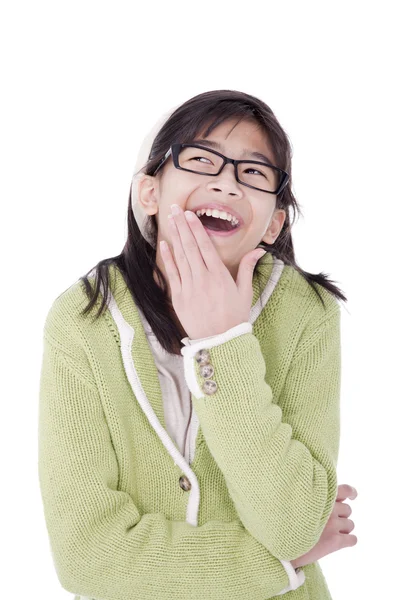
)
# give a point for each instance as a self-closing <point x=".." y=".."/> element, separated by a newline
<point x="215" y="224"/>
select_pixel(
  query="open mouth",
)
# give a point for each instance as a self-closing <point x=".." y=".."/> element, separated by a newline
<point x="218" y="225"/>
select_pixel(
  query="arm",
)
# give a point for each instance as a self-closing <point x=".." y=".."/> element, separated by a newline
<point x="102" y="547"/>
<point x="279" y="460"/>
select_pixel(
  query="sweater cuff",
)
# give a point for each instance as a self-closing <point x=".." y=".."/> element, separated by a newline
<point x="196" y="346"/>
<point x="296" y="577"/>
<point x="215" y="340"/>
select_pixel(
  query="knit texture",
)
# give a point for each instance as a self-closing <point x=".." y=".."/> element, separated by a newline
<point x="265" y="456"/>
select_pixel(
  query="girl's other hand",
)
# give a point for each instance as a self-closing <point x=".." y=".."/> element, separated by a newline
<point x="335" y="536"/>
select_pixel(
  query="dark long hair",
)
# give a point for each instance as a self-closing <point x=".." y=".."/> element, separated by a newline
<point x="137" y="261"/>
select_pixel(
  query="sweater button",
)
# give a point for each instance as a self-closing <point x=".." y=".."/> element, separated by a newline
<point x="209" y="387"/>
<point x="202" y="357"/>
<point x="185" y="483"/>
<point x="207" y="371"/>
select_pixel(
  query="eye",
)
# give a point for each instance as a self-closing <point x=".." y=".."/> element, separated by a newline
<point x="259" y="172"/>
<point x="201" y="157"/>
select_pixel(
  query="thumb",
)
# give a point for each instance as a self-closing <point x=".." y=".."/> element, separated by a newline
<point x="244" y="279"/>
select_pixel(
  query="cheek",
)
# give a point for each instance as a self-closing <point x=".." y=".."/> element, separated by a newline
<point x="180" y="186"/>
<point x="258" y="226"/>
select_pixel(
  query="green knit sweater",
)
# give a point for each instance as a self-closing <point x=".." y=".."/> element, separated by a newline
<point x="128" y="518"/>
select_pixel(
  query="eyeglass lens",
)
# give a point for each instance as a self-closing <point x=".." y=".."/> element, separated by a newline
<point x="203" y="161"/>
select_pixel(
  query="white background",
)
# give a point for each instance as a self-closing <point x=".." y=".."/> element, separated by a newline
<point x="82" y="83"/>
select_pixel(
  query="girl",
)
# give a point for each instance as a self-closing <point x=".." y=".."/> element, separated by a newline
<point x="189" y="431"/>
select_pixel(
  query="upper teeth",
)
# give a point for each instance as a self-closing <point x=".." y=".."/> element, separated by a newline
<point x="219" y="214"/>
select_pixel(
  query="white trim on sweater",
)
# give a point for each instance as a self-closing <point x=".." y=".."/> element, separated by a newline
<point x="127" y="335"/>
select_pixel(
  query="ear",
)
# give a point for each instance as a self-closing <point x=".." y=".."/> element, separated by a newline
<point x="275" y="226"/>
<point x="147" y="189"/>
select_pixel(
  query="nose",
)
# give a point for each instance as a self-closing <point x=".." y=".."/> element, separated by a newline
<point x="226" y="182"/>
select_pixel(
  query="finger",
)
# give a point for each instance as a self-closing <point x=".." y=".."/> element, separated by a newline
<point x="342" y="509"/>
<point x="345" y="540"/>
<point x="346" y="491"/>
<point x="181" y="258"/>
<point x="208" y="252"/>
<point x="170" y="267"/>
<point x="346" y="525"/>
<point x="190" y="245"/>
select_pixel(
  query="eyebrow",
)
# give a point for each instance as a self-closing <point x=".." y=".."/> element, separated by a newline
<point x="246" y="151"/>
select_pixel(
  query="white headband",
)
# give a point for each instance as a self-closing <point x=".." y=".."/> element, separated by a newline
<point x="138" y="211"/>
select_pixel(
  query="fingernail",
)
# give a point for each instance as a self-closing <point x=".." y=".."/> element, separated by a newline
<point x="175" y="209"/>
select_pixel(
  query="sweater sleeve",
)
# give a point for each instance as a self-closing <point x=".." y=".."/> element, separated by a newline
<point x="278" y="456"/>
<point x="102" y="547"/>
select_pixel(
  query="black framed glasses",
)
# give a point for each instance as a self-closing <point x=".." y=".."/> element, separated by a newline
<point x="199" y="159"/>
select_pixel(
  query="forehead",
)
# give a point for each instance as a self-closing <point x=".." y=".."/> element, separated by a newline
<point x="240" y="137"/>
<point x="245" y="133"/>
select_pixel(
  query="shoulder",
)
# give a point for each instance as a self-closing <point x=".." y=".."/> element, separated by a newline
<point x="313" y="308"/>
<point x="67" y="331"/>
<point x="298" y="310"/>
<point x="67" y="318"/>
<point x="65" y="323"/>
<point x="315" y="299"/>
